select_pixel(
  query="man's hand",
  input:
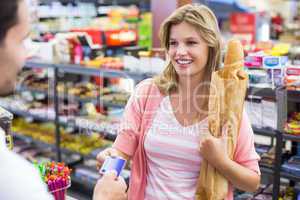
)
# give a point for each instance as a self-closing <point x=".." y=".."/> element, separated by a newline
<point x="110" y="187"/>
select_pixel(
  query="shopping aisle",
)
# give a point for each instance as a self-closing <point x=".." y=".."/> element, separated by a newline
<point x="87" y="57"/>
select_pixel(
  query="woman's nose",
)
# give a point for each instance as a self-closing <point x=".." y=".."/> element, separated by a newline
<point x="181" y="49"/>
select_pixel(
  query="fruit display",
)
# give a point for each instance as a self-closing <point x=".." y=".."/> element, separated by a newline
<point x="293" y="124"/>
<point x="45" y="132"/>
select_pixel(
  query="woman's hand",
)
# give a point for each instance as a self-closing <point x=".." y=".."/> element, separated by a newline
<point x="214" y="150"/>
<point x="108" y="153"/>
<point x="105" y="154"/>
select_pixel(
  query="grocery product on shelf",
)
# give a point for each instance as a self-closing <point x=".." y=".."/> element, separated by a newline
<point x="292" y="126"/>
<point x="105" y="62"/>
<point x="268" y="65"/>
<point x="262" y="111"/>
<point x="268" y="158"/>
<point x="152" y="61"/>
<point x="265" y="71"/>
<point x="82" y="91"/>
<point x="265" y="193"/>
<point x="292" y="78"/>
<point x="28" y="104"/>
<point x="34" y="151"/>
<point x="83" y="144"/>
<point x="292" y="166"/>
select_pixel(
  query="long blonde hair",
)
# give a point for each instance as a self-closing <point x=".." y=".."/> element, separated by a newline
<point x="204" y="20"/>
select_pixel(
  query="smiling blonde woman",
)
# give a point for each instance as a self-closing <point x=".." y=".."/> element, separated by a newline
<point x="166" y="117"/>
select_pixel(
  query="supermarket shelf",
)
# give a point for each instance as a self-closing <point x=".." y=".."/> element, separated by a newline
<point x="79" y="123"/>
<point x="295" y="138"/>
<point x="85" y="124"/>
<point x="30" y="139"/>
<point x="27" y="114"/>
<point x="261" y="92"/>
<point x="293" y="96"/>
<point x="75" y="98"/>
<point x="283" y="174"/>
<point x="41" y="143"/>
<point x="85" y="70"/>
<point x="264" y="131"/>
<point x="37" y="64"/>
<point x="34" y="90"/>
<point x="266" y="170"/>
<point x="97" y="101"/>
<point x="289" y="176"/>
<point x="106" y="132"/>
<point x="44" y="144"/>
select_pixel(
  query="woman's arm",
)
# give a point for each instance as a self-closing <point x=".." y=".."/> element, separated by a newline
<point x="240" y="176"/>
<point x="243" y="171"/>
<point x="128" y="137"/>
<point x="214" y="151"/>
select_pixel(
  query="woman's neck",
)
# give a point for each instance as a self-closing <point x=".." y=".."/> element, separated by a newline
<point x="188" y="86"/>
<point x="191" y="94"/>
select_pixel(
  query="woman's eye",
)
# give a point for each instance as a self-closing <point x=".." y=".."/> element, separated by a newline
<point x="172" y="43"/>
<point x="191" y="42"/>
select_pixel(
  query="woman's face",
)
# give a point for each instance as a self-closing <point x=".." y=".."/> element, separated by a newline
<point x="12" y="50"/>
<point x="187" y="50"/>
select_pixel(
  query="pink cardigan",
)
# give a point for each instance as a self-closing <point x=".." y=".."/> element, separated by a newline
<point x="137" y="119"/>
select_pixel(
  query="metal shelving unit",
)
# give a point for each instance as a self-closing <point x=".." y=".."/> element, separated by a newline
<point x="284" y="98"/>
<point x="89" y="71"/>
<point x="45" y="145"/>
<point x="264" y="131"/>
<point x="266" y="170"/>
<point x="77" y="69"/>
<point x="289" y="176"/>
<point x="75" y="98"/>
<point x="28" y="114"/>
<point x="293" y="96"/>
<point x="60" y="120"/>
<point x="35" y="64"/>
<point x="65" y="121"/>
<point x="41" y="143"/>
<point x="294" y="138"/>
<point x="265" y="92"/>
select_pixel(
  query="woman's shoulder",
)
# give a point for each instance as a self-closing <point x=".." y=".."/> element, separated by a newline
<point x="146" y="87"/>
<point x="147" y="91"/>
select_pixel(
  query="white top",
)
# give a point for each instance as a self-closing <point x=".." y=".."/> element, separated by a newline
<point x="19" y="180"/>
<point x="173" y="157"/>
